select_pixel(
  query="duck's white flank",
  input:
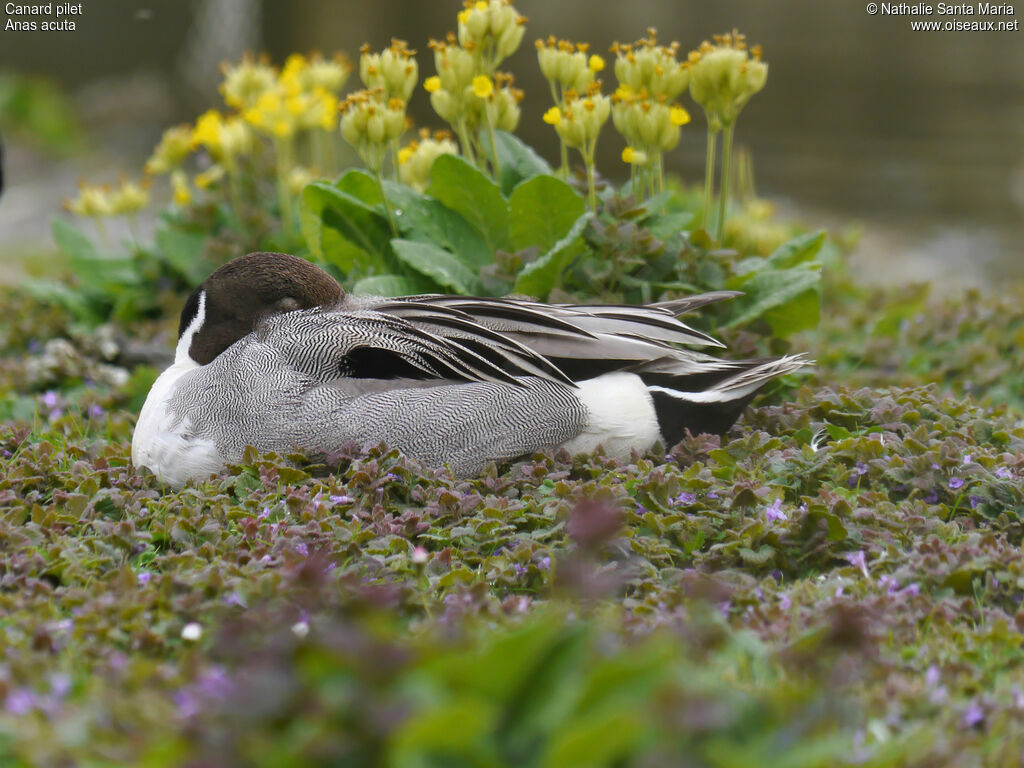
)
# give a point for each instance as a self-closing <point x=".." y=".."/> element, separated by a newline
<point x="622" y="416"/>
<point x="161" y="440"/>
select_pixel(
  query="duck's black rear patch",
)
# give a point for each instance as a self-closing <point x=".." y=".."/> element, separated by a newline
<point x="189" y="312"/>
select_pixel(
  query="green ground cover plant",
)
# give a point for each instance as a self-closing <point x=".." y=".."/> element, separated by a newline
<point x="836" y="581"/>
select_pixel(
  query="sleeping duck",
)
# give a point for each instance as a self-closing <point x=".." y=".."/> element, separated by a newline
<point x="272" y="353"/>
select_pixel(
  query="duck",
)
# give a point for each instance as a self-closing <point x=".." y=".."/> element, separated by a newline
<point x="273" y="353"/>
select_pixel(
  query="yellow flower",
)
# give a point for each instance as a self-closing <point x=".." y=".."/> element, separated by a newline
<point x="173" y="148"/>
<point x="92" y="201"/>
<point x="678" y="116"/>
<point x="130" y="197"/>
<point x="481" y="5"/>
<point x="628" y="155"/>
<point x="404" y="154"/>
<point x="596" y="63"/>
<point x="210" y="176"/>
<point x="208" y="129"/>
<point x="483" y="86"/>
<point x="179" y="183"/>
<point x="432" y="84"/>
<point x="553" y="116"/>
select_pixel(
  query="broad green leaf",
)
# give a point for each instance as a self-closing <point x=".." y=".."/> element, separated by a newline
<point x="538" y="277"/>
<point x="439" y="265"/>
<point x="54" y="291"/>
<point x="541" y="211"/>
<point x="183" y="251"/>
<point x="467" y="191"/>
<point x="518" y="160"/>
<point x="666" y="225"/>
<point x="343" y="230"/>
<point x="361" y="185"/>
<point x="392" y="285"/>
<point x="458" y="726"/>
<point x="801" y="313"/>
<point x="425" y="220"/>
<point x="95" y="270"/>
<point x="599" y="739"/>
<point x="771" y="289"/>
<point x="798" y="250"/>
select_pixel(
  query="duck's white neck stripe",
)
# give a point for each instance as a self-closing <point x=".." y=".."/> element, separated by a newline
<point x="185" y="342"/>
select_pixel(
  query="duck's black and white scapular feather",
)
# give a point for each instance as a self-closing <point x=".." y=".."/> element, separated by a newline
<point x="273" y="354"/>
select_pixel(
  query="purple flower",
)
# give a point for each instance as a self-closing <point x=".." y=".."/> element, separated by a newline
<point x="839" y="591"/>
<point x="1003" y="473"/>
<point x="685" y="498"/>
<point x="341" y="499"/>
<point x="95" y="411"/>
<point x="774" y="512"/>
<point x="1018" y="697"/>
<point x="302" y="549"/>
<point x="50" y="399"/>
<point x="519" y="568"/>
<point x="545" y="563"/>
<point x="956" y="483"/>
<point x="973" y="715"/>
<point x="725" y="608"/>
<point x="932" y="676"/>
<point x="967" y="459"/>
<point x="931" y="497"/>
<point x="784" y="602"/>
<point x="264" y="514"/>
<point x="975" y="500"/>
<point x="858" y="560"/>
<point x="55" y="414"/>
<point x="20" y="702"/>
<point x="144" y="577"/>
<point x="712" y="495"/>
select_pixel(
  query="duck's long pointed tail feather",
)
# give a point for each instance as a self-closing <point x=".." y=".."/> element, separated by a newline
<point x="682" y="402"/>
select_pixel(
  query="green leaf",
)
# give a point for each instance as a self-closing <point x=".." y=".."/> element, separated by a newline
<point x="800" y="313"/>
<point x="772" y="289"/>
<point x="538" y="277"/>
<point x="95" y="270"/>
<point x="467" y="191"/>
<point x="183" y="251"/>
<point x="599" y="739"/>
<point x="361" y="185"/>
<point x="439" y="265"/>
<point x="343" y="230"/>
<point x="518" y="161"/>
<point x="426" y="220"/>
<point x="542" y="210"/>
<point x="800" y="249"/>
<point x="392" y="285"/>
<point x="666" y="225"/>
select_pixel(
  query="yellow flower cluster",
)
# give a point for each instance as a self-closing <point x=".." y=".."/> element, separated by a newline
<point x="370" y="123"/>
<point x="394" y="70"/>
<point x="579" y="120"/>
<point x="127" y="199"/>
<point x="566" y="66"/>
<point x="724" y="75"/>
<point x="299" y="98"/>
<point x="650" y="79"/>
<point x="417" y="157"/>
<point x="468" y="92"/>
<point x="490" y="30"/>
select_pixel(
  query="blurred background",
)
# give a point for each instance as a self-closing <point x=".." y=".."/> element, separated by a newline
<point x="917" y="137"/>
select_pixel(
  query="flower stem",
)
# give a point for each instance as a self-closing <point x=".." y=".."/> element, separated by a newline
<point x="384" y="198"/>
<point x="494" y="148"/>
<point x="724" y="184"/>
<point x="659" y="169"/>
<point x="283" y="152"/>
<point x="709" y="176"/>
<point x="467" y="147"/>
<point x="588" y="159"/>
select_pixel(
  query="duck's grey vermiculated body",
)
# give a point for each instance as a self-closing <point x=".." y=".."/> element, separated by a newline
<point x="272" y="354"/>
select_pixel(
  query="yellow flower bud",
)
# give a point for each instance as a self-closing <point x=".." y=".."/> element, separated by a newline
<point x="553" y="116"/>
<point x="130" y="198"/>
<point x="246" y="81"/>
<point x="596" y="63"/>
<point x="175" y="145"/>
<point x="678" y="116"/>
<point x="209" y="177"/>
<point x="432" y="84"/>
<point x="417" y="158"/>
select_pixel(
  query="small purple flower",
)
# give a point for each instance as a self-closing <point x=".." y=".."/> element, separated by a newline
<point x="784" y="602"/>
<point x="302" y="549"/>
<point x="1003" y="473"/>
<point x="973" y="715"/>
<point x="725" y="608"/>
<point x="712" y="495"/>
<point x="975" y="500"/>
<point x="956" y="483"/>
<point x="774" y="512"/>
<point x="1018" y="697"/>
<point x="858" y="560"/>
<point x="931" y="497"/>
<point x="935" y="466"/>
<point x="545" y="563"/>
<point x="341" y="499"/>
<point x="143" y="511"/>
<point x="144" y="577"/>
<point x="932" y="677"/>
<point x="95" y="411"/>
<point x="839" y="591"/>
<point x="519" y="568"/>
<point x="264" y="514"/>
<point x="968" y="458"/>
<point x="20" y="702"/>
<point x="685" y="499"/>
<point x="55" y="414"/>
<point x="50" y="399"/>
